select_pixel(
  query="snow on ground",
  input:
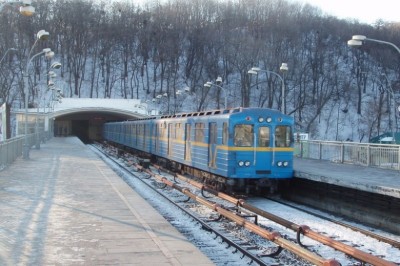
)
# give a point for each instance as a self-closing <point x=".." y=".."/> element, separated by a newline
<point x="337" y="232"/>
<point x="211" y="246"/>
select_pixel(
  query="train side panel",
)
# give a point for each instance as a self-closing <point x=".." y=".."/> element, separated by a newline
<point x="239" y="144"/>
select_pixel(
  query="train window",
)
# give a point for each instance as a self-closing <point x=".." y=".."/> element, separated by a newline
<point x="225" y="133"/>
<point x="213" y="133"/>
<point x="283" y="136"/>
<point x="243" y="135"/>
<point x="263" y="136"/>
<point x="188" y="132"/>
<point x="199" y="132"/>
<point x="163" y="131"/>
<point x="179" y="130"/>
<point x="171" y="132"/>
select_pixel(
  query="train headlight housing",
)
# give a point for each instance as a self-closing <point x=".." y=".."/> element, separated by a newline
<point x="247" y="163"/>
<point x="269" y="119"/>
<point x="241" y="163"/>
<point x="260" y="119"/>
<point x="285" y="164"/>
<point x="279" y="164"/>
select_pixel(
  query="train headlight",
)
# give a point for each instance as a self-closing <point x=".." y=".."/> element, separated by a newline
<point x="240" y="163"/>
<point x="260" y="119"/>
<point x="269" y="119"/>
<point x="285" y="164"/>
<point x="279" y="164"/>
<point x="247" y="163"/>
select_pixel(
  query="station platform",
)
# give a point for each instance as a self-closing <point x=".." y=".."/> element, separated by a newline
<point x="65" y="206"/>
<point x="379" y="181"/>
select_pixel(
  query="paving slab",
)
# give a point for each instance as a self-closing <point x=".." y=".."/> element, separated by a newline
<point x="65" y="206"/>
<point x="370" y="179"/>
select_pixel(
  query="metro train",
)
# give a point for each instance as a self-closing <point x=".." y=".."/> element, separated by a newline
<point x="238" y="149"/>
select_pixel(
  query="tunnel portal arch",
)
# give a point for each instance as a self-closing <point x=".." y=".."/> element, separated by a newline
<point x="83" y="118"/>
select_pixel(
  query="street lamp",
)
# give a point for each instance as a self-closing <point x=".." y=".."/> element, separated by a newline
<point x="357" y="40"/>
<point x="25" y="7"/>
<point x="180" y="96"/>
<point x="389" y="90"/>
<point x="26" y="90"/>
<point x="209" y="84"/>
<point x="283" y="69"/>
<point x="55" y="65"/>
<point x="50" y="85"/>
<point x="41" y="35"/>
<point x="8" y="50"/>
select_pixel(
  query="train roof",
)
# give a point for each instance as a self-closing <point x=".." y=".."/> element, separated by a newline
<point x="217" y="112"/>
<point x="211" y="113"/>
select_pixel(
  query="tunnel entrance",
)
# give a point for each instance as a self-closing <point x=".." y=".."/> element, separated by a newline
<point x="80" y="129"/>
<point x="87" y="126"/>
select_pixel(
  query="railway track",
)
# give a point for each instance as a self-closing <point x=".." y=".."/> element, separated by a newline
<point x="237" y="211"/>
<point x="378" y="237"/>
<point x="239" y="245"/>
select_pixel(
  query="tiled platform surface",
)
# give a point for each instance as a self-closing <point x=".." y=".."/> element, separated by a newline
<point x="374" y="180"/>
<point x="64" y="206"/>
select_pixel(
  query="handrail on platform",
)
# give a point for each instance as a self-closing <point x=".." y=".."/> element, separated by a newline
<point x="384" y="156"/>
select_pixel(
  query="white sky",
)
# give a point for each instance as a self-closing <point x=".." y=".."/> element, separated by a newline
<point x="367" y="11"/>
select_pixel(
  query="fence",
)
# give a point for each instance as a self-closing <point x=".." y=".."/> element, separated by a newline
<point x="11" y="149"/>
<point x="366" y="154"/>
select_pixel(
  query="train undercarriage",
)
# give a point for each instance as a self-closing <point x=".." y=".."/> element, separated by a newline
<point x="253" y="186"/>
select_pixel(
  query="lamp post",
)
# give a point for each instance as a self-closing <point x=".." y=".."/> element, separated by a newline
<point x="47" y="52"/>
<point x="158" y="100"/>
<point x="389" y="89"/>
<point x="50" y="85"/>
<point x="43" y="35"/>
<point x="180" y="96"/>
<point x="358" y="40"/>
<point x="209" y="84"/>
<point x="25" y="7"/>
<point x="283" y="68"/>
<point x="8" y="50"/>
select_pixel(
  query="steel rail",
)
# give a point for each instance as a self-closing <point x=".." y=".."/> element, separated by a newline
<point x="204" y="225"/>
<point x="354" y="228"/>
<point x="305" y="230"/>
<point x="272" y="236"/>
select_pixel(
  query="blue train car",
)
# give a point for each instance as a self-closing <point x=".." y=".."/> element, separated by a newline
<point x="240" y="148"/>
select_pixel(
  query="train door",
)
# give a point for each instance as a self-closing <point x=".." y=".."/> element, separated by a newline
<point x="156" y="138"/>
<point x="212" y="144"/>
<point x="136" y="135"/>
<point x="188" y="143"/>
<point x="144" y="136"/>
<point x="170" y="136"/>
<point x="264" y="158"/>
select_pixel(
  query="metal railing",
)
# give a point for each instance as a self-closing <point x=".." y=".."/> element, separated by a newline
<point x="11" y="149"/>
<point x="366" y="154"/>
<point x="373" y="155"/>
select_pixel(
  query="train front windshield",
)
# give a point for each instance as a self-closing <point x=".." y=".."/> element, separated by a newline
<point x="244" y="136"/>
<point x="283" y="136"/>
